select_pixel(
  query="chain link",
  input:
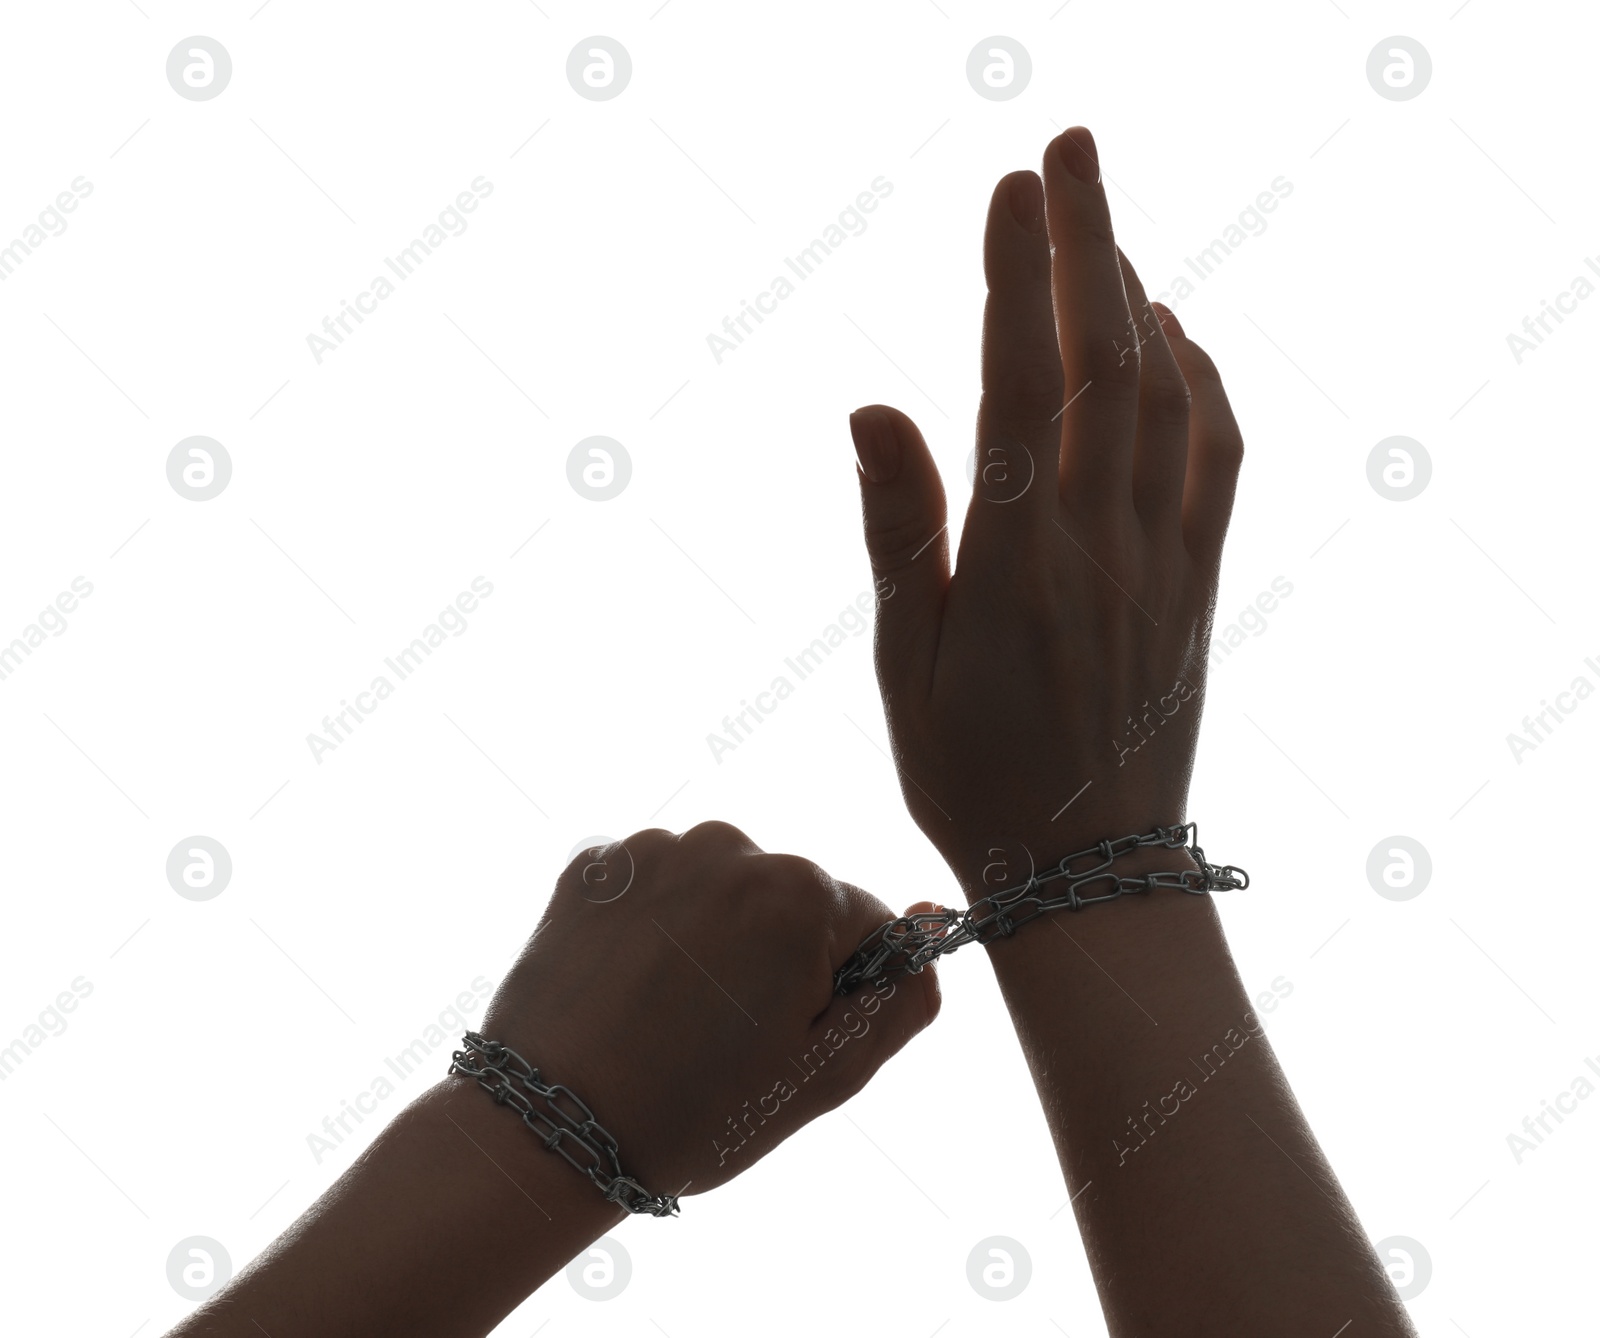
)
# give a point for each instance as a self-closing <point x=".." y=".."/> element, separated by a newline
<point x="504" y="1074"/>
<point x="907" y="944"/>
<point x="903" y="946"/>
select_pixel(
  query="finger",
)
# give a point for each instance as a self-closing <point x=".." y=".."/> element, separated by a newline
<point x="1019" y="429"/>
<point x="1161" y="442"/>
<point x="855" y="916"/>
<point x="596" y="853"/>
<point x="603" y="872"/>
<point x="924" y="908"/>
<point x="719" y="836"/>
<point x="860" y="1032"/>
<point x="1099" y="355"/>
<point x="903" y="514"/>
<point x="1216" y="448"/>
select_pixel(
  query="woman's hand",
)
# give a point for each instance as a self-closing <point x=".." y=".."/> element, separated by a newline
<point x="682" y="986"/>
<point x="1046" y="697"/>
<point x="1048" y="694"/>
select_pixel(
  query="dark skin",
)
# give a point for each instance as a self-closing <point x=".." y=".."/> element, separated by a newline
<point x="1033" y="698"/>
<point x="1015" y="687"/>
<point x="640" y="992"/>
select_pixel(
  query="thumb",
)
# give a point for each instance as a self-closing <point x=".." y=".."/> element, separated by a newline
<point x="903" y="511"/>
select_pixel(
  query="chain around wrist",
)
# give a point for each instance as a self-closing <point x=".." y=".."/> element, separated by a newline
<point x="905" y="945"/>
<point x="512" y="1081"/>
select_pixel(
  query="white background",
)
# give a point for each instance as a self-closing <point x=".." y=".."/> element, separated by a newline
<point x="372" y="888"/>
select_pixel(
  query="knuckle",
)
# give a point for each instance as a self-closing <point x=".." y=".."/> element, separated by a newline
<point x="1166" y="401"/>
<point x="791" y="873"/>
<point x="1024" y="389"/>
<point x="1197" y="365"/>
<point x="580" y="859"/>
<point x="895" y="541"/>
<point x="856" y="1078"/>
<point x="1111" y="365"/>
<point x="640" y="846"/>
<point x="1228" y="449"/>
<point x="797" y="890"/>
<point x="715" y="837"/>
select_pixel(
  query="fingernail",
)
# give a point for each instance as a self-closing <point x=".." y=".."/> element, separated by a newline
<point x="1079" y="154"/>
<point x="877" y="447"/>
<point x="1027" y="201"/>
<point x="1169" y="322"/>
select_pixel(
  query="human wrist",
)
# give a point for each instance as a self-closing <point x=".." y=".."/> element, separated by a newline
<point x="566" y="1053"/>
<point x="459" y="1119"/>
<point x="983" y="868"/>
<point x="1162" y="938"/>
<point x="499" y="1204"/>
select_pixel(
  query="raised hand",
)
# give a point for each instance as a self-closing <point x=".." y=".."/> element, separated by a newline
<point x="1047" y="695"/>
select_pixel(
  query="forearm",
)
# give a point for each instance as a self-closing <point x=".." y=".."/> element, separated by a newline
<point x="645" y="1008"/>
<point x="446" y="1224"/>
<point x="1205" y="1204"/>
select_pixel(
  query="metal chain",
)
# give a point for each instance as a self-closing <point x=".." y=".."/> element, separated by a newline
<point x="907" y="944"/>
<point x="503" y="1072"/>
